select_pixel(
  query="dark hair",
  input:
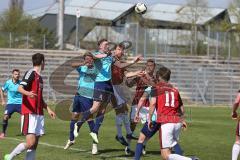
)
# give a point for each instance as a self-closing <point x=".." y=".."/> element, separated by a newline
<point x="101" y="40"/>
<point x="37" y="59"/>
<point x="152" y="61"/>
<point x="164" y="73"/>
<point x="120" y="46"/>
<point x="15" y="70"/>
<point x="87" y="54"/>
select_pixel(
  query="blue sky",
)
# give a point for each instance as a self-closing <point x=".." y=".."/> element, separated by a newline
<point x="33" y="4"/>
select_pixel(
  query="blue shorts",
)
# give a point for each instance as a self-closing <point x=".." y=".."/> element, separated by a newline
<point x="11" y="108"/>
<point x="149" y="133"/>
<point x="103" y="91"/>
<point x="81" y="104"/>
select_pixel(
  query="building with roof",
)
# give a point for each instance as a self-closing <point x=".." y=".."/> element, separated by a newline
<point x="116" y="19"/>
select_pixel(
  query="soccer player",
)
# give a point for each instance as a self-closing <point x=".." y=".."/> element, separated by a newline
<point x="236" y="145"/>
<point x="32" y="123"/>
<point x="141" y="84"/>
<point x="119" y="71"/>
<point x="14" y="99"/>
<point x="167" y="101"/>
<point x="142" y="115"/>
<point x="103" y="90"/>
<point x="83" y="99"/>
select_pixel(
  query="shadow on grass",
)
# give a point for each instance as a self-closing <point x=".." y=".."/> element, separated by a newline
<point x="115" y="155"/>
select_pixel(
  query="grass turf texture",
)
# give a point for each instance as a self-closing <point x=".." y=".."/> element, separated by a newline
<point x="210" y="136"/>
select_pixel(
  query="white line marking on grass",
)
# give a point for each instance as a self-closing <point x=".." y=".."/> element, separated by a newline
<point x="124" y="158"/>
<point x="47" y="144"/>
<point x="73" y="149"/>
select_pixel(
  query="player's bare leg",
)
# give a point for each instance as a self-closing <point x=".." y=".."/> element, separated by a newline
<point x="236" y="149"/>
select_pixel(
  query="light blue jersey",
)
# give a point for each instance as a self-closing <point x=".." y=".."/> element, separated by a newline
<point x="148" y="90"/>
<point x="103" y="66"/>
<point x="13" y="96"/>
<point x="86" y="81"/>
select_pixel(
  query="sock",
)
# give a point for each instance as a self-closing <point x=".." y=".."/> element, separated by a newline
<point x="127" y="124"/>
<point x="177" y="157"/>
<point x="138" y="151"/>
<point x="19" y="149"/>
<point x="71" y="135"/>
<point x="79" y="124"/>
<point x="30" y="154"/>
<point x="5" y="125"/>
<point x="91" y="125"/>
<point x="178" y="149"/>
<point x="235" y="151"/>
<point x="85" y="116"/>
<point x="98" y="123"/>
<point x="118" y="122"/>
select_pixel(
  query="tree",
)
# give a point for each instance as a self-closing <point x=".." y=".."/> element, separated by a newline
<point x="234" y="25"/>
<point x="16" y="22"/>
<point x="16" y="4"/>
<point x="193" y="13"/>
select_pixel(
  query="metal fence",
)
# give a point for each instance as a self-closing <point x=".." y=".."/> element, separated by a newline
<point x="26" y="41"/>
<point x="149" y="41"/>
<point x="146" y="41"/>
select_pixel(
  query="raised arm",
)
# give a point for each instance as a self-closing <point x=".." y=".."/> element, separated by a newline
<point x="99" y="56"/>
<point x="134" y="74"/>
<point x="77" y="64"/>
<point x="125" y="65"/>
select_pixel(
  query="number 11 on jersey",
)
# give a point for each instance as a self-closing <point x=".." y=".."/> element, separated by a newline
<point x="168" y="98"/>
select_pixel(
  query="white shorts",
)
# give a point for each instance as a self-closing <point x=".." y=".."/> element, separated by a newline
<point x="119" y="94"/>
<point x="32" y="124"/>
<point x="169" y="134"/>
<point x="143" y="114"/>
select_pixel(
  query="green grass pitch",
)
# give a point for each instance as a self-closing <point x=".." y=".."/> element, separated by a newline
<point x="210" y="136"/>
